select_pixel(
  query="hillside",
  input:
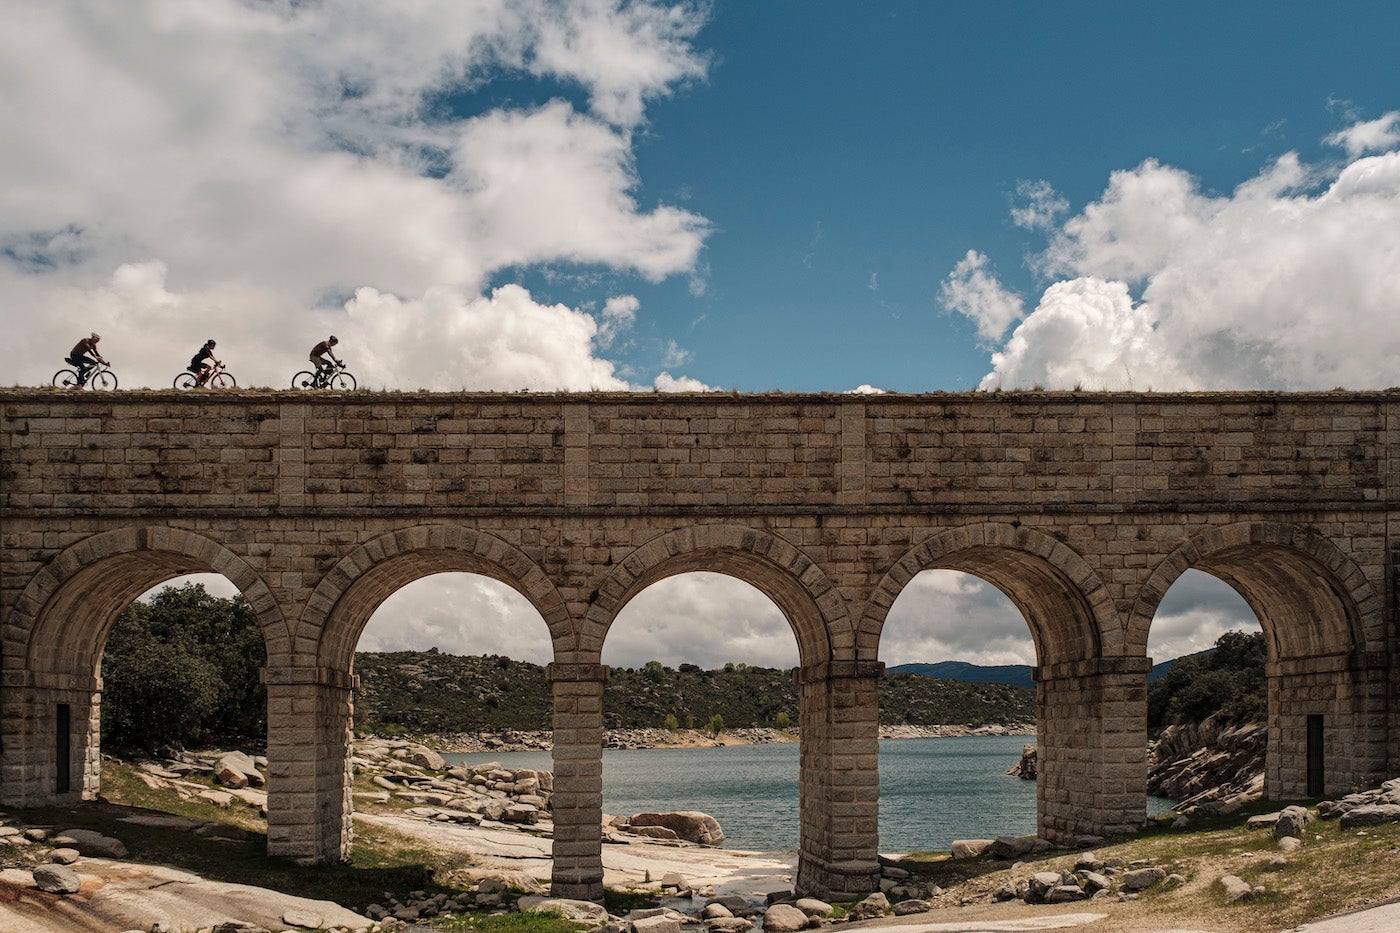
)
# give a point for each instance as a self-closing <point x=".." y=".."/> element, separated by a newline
<point x="1018" y="675"/>
<point x="427" y="691"/>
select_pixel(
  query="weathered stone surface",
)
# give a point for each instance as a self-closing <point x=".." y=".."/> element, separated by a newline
<point x="659" y="923"/>
<point x="573" y="909"/>
<point x="690" y="825"/>
<point x="969" y="848"/>
<point x="1236" y="889"/>
<point x="874" y="905"/>
<point x="731" y="925"/>
<point x="1008" y="848"/>
<point x="813" y="907"/>
<point x="57" y="879"/>
<point x="90" y="843"/>
<point x="1370" y="815"/>
<point x="64" y="856"/>
<point x="1292" y="820"/>
<point x="1141" y="879"/>
<point x="911" y="906"/>
<point x="425" y="757"/>
<point x="783" y="918"/>
<point x="1088" y="504"/>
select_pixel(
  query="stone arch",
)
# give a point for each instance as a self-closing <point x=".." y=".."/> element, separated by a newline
<point x="1312" y="599"/>
<point x="1070" y="613"/>
<point x="811" y="604"/>
<point x="1325" y="629"/>
<point x="343" y="601"/>
<point x="1090" y="698"/>
<point x="74" y="599"/>
<point x="61" y="621"/>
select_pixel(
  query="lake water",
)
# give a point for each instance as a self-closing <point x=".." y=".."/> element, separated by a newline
<point x="932" y="791"/>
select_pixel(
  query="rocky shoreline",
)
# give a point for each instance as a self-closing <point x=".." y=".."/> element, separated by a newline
<point x="510" y="740"/>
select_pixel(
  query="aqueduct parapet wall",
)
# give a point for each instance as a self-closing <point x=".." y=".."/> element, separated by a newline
<point x="1082" y="507"/>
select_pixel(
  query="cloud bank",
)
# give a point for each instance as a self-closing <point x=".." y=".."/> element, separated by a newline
<point x="1291" y="281"/>
<point x="178" y="171"/>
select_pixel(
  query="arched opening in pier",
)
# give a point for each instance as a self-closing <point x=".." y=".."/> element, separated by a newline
<point x="1318" y="617"/>
<point x="958" y="709"/>
<point x="1083" y="768"/>
<point x="111" y="656"/>
<point x="434" y="640"/>
<point x="702" y="710"/>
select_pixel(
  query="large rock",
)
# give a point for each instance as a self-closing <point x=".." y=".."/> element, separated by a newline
<point x="573" y="910"/>
<point x="1291" y="821"/>
<point x="690" y="825"/>
<point x="970" y="848"/>
<point x="57" y="879"/>
<point x="1371" y="815"/>
<point x="1236" y="889"/>
<point x="813" y="907"/>
<point x="875" y="905"/>
<point x="657" y="923"/>
<point x="783" y="918"/>
<point x="1008" y="848"/>
<point x="90" y="843"/>
<point x="425" y="757"/>
<point x="240" y="763"/>
<point x="1141" y="879"/>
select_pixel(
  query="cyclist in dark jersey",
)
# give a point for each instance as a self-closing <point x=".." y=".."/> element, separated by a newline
<point x="201" y="364"/>
<point x="85" y="356"/>
<point x="318" y="356"/>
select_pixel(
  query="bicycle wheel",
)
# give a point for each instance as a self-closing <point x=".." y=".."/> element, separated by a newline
<point x="224" y="380"/>
<point x="304" y="380"/>
<point x="65" y="378"/>
<point x="184" y="380"/>
<point x="343" y="381"/>
<point x="106" y="379"/>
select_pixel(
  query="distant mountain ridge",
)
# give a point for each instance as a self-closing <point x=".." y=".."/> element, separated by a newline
<point x="1016" y="675"/>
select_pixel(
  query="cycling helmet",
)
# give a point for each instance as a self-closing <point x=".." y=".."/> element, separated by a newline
<point x="209" y="342"/>
<point x="332" y="341"/>
<point x="96" y="335"/>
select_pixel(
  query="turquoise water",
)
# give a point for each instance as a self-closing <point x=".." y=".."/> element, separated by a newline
<point x="932" y="791"/>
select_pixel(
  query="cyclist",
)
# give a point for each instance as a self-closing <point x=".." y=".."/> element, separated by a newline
<point x="318" y="356"/>
<point x="85" y="356"/>
<point x="201" y="364"/>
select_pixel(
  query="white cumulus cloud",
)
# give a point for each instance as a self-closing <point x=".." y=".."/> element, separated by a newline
<point x="973" y="290"/>
<point x="1291" y="281"/>
<point x="256" y="165"/>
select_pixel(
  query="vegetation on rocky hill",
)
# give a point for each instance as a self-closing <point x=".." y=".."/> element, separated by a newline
<point x="425" y="692"/>
<point x="1227" y="681"/>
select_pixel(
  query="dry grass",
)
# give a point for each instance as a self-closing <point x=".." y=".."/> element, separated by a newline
<point x="1335" y="872"/>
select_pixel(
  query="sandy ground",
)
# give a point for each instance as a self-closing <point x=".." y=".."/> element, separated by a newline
<point x="727" y="871"/>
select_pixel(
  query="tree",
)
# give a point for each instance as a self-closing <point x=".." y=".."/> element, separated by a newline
<point x="1228" y="679"/>
<point x="184" y="667"/>
<point x="782" y="720"/>
<point x="672" y="722"/>
<point x="716" y="724"/>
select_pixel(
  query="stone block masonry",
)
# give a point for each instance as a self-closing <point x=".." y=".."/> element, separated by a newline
<point x="1083" y="507"/>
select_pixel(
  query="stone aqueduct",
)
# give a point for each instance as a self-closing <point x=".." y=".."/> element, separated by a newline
<point x="1083" y="508"/>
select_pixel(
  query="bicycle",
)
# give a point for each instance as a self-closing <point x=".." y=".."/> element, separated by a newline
<point x="219" y="378"/>
<point x="98" y="377"/>
<point x="333" y="377"/>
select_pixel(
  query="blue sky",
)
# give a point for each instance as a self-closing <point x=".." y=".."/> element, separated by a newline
<point x="793" y="196"/>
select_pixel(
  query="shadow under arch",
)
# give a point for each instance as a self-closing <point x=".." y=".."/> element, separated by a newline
<point x="62" y="619"/>
<point x="1091" y="699"/>
<point x="1323" y="623"/>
